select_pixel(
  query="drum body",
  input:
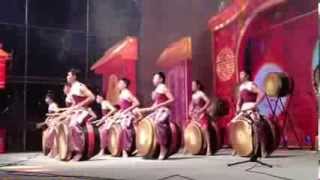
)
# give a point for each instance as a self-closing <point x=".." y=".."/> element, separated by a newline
<point x="91" y="141"/>
<point x="194" y="138"/>
<point x="278" y="84"/>
<point x="146" y="140"/>
<point x="114" y="140"/>
<point x="272" y="135"/>
<point x="246" y="136"/>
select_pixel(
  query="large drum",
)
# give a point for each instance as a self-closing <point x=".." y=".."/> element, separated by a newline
<point x="194" y="139"/>
<point x="114" y="140"/>
<point x="245" y="138"/>
<point x="194" y="142"/>
<point x="91" y="138"/>
<point x="278" y="84"/>
<point x="146" y="140"/>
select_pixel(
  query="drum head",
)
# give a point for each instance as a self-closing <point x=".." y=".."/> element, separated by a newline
<point x="277" y="84"/>
<point x="114" y="140"/>
<point x="145" y="138"/>
<point x="62" y="139"/>
<point x="193" y="138"/>
<point x="241" y="137"/>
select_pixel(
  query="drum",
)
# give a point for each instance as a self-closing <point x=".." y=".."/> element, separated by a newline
<point x="91" y="141"/>
<point x="194" y="139"/>
<point x="218" y="108"/>
<point x="272" y="135"/>
<point x="114" y="140"/>
<point x="278" y="84"/>
<point x="245" y="140"/>
<point x="146" y="140"/>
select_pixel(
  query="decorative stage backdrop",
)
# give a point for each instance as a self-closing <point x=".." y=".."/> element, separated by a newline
<point x="48" y="38"/>
<point x="269" y="36"/>
<point x="176" y="61"/>
<point x="118" y="62"/>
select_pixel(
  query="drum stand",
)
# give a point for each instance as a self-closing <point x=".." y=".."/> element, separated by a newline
<point x="288" y="119"/>
<point x="252" y="159"/>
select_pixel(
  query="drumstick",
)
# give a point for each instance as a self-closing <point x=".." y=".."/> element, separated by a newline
<point x="62" y="109"/>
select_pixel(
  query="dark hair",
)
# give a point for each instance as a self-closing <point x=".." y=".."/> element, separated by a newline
<point x="117" y="106"/>
<point x="74" y="72"/>
<point x="248" y="73"/>
<point x="199" y="84"/>
<point x="50" y="95"/>
<point x="126" y="81"/>
<point x="99" y="93"/>
<point x="162" y="76"/>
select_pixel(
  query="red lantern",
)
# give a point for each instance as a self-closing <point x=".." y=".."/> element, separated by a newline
<point x="4" y="57"/>
<point x="2" y="140"/>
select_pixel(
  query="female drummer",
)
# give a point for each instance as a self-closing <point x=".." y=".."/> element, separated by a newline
<point x="198" y="110"/>
<point x="162" y="99"/>
<point x="82" y="98"/>
<point x="107" y="110"/>
<point x="127" y="102"/>
<point x="249" y="98"/>
<point x="249" y="95"/>
<point x="50" y="132"/>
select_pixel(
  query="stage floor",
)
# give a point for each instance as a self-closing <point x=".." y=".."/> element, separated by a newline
<point x="288" y="165"/>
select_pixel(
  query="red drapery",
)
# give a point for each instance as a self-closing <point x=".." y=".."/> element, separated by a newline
<point x="265" y="36"/>
<point x="118" y="61"/>
<point x="4" y="57"/>
<point x="176" y="60"/>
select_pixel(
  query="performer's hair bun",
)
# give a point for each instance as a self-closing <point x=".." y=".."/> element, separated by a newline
<point x="162" y="75"/>
<point x="248" y="73"/>
<point x="199" y="84"/>
<point x="126" y="81"/>
<point x="99" y="93"/>
<point x="75" y="72"/>
<point x="50" y="94"/>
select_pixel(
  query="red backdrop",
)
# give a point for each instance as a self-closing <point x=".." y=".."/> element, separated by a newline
<point x="264" y="36"/>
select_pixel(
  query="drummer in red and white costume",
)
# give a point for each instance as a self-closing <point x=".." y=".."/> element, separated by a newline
<point x="127" y="102"/>
<point x="107" y="110"/>
<point x="82" y="97"/>
<point x="198" y="110"/>
<point x="160" y="112"/>
<point x="50" y="133"/>
<point x="249" y="97"/>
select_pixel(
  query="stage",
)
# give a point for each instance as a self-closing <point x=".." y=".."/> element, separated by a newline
<point x="288" y="165"/>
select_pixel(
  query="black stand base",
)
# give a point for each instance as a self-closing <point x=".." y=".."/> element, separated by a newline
<point x="252" y="159"/>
